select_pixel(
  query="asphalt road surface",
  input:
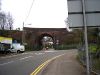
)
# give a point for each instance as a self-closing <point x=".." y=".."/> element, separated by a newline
<point x="25" y="63"/>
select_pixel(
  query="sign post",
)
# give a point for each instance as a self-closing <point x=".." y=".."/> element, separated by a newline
<point x="92" y="13"/>
<point x="85" y="37"/>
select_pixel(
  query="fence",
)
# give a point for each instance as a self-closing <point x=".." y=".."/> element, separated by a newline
<point x="94" y="58"/>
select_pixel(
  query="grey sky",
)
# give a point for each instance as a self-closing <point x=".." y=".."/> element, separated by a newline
<point x="44" y="13"/>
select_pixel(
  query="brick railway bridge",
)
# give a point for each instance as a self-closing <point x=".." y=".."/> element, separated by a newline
<point x="33" y="36"/>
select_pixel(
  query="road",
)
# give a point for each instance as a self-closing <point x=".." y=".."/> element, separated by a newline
<point x="25" y="63"/>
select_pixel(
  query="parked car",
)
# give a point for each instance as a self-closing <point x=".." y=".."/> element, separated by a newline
<point x="17" y="48"/>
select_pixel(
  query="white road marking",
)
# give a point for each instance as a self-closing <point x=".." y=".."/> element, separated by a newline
<point x="13" y="55"/>
<point x="9" y="56"/>
<point x="39" y="53"/>
<point x="31" y="53"/>
<point x="25" y="58"/>
<point x="6" y="63"/>
<point x="50" y="51"/>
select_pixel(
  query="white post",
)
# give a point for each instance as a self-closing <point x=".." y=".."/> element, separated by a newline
<point x="85" y="37"/>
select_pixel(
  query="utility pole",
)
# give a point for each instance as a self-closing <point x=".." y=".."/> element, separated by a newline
<point x="85" y="37"/>
<point x="23" y="34"/>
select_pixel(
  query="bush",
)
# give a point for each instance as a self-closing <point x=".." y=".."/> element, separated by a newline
<point x="92" y="48"/>
<point x="65" y="47"/>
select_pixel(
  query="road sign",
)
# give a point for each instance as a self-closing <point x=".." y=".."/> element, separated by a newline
<point x="92" y="13"/>
<point x="84" y="13"/>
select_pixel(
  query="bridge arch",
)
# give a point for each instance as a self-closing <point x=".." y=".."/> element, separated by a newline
<point x="45" y="40"/>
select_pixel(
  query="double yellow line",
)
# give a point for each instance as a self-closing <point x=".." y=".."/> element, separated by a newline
<point x="39" y="68"/>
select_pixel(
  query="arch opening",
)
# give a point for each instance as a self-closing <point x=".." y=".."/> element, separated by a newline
<point x="46" y="41"/>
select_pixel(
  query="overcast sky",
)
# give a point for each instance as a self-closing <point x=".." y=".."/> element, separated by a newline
<point x="44" y="13"/>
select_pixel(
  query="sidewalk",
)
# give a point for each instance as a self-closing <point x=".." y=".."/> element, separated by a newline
<point x="64" y="65"/>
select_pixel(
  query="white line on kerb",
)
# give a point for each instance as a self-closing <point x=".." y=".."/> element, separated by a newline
<point x="6" y="63"/>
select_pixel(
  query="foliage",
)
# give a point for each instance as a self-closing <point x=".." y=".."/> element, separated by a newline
<point x="6" y="21"/>
<point x="65" y="47"/>
<point x="96" y="64"/>
<point x="94" y="61"/>
<point x="2" y="20"/>
<point x="9" y="21"/>
<point x="4" y="33"/>
<point x="93" y="48"/>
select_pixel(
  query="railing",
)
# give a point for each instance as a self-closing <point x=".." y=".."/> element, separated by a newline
<point x="94" y="59"/>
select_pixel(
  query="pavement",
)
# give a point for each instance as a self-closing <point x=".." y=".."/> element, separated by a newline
<point x="64" y="65"/>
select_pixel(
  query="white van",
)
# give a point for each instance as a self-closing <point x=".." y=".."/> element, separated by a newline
<point x="16" y="47"/>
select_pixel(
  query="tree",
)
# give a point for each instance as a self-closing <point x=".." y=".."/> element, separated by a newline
<point x="2" y="20"/>
<point x="6" y="21"/>
<point x="9" y="21"/>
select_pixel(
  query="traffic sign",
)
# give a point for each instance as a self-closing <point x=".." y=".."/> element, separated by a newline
<point x="75" y="13"/>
